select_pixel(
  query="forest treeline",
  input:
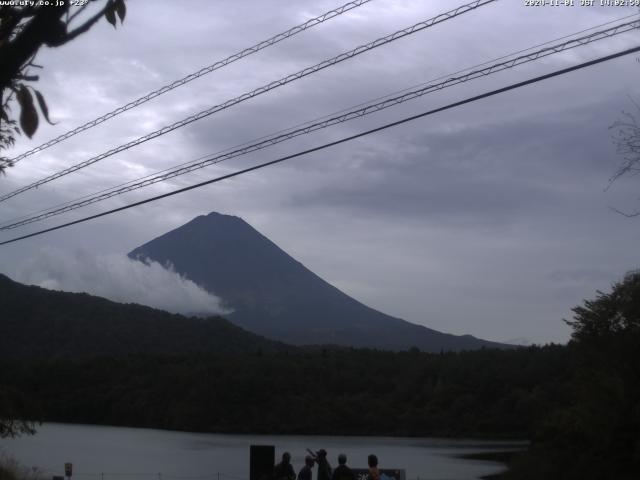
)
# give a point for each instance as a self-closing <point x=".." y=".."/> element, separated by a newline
<point x="485" y="393"/>
<point x="594" y="433"/>
<point x="579" y="404"/>
<point x="36" y="323"/>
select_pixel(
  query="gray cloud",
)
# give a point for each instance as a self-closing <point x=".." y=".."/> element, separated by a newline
<point x="479" y="174"/>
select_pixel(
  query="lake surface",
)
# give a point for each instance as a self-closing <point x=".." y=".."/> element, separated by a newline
<point x="115" y="453"/>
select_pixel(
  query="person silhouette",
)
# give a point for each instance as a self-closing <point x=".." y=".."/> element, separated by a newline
<point x="284" y="469"/>
<point x="342" y="472"/>
<point x="305" y="472"/>
<point x="374" y="473"/>
<point x="324" y="468"/>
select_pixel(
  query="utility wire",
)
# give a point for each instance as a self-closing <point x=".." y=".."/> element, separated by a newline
<point x="273" y="139"/>
<point x="397" y="92"/>
<point x="192" y="76"/>
<point x="337" y="142"/>
<point x="265" y="88"/>
<point x="268" y="141"/>
<point x="489" y="61"/>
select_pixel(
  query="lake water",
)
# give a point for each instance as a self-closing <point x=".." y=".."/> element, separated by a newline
<point x="115" y="453"/>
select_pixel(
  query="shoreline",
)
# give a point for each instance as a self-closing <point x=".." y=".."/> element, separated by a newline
<point x="506" y="439"/>
<point x="504" y="457"/>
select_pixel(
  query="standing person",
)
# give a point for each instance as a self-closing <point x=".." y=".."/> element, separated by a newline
<point x="284" y="470"/>
<point x="343" y="472"/>
<point x="305" y="472"/>
<point x="324" y="468"/>
<point x="374" y="473"/>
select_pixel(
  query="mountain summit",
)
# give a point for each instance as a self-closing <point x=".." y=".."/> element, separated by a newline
<point x="274" y="295"/>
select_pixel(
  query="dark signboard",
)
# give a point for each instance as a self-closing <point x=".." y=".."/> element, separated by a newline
<point x="385" y="474"/>
<point x="261" y="460"/>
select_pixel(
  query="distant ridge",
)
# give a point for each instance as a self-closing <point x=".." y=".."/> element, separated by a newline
<point x="274" y="295"/>
<point x="41" y="324"/>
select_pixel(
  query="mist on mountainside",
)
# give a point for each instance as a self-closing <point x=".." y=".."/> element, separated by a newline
<point x="120" y="279"/>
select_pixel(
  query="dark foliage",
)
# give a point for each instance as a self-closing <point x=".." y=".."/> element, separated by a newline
<point x="626" y="137"/>
<point x="42" y="324"/>
<point x="24" y="29"/>
<point x="16" y="408"/>
<point x="596" y="435"/>
<point x="484" y="393"/>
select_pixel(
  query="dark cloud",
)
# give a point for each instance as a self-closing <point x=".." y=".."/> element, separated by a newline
<point x="481" y="175"/>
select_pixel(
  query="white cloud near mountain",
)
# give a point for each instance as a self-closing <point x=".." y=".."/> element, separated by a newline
<point x="118" y="278"/>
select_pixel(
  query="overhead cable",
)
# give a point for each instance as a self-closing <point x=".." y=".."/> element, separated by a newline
<point x="192" y="76"/>
<point x="336" y="142"/>
<point x="268" y="141"/>
<point x="259" y="91"/>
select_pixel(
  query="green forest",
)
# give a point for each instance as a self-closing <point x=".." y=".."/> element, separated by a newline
<point x="579" y="404"/>
<point x="484" y="393"/>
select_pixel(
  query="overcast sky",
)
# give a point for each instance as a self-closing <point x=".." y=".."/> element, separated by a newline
<point x="490" y="219"/>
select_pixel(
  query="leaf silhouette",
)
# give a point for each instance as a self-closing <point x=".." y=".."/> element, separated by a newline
<point x="43" y="107"/>
<point x="121" y="9"/>
<point x="110" y="15"/>
<point x="28" y="113"/>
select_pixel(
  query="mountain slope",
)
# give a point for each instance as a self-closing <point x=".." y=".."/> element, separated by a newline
<point x="276" y="296"/>
<point x="42" y="324"/>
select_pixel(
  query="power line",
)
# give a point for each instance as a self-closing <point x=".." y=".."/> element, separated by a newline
<point x="259" y="91"/>
<point x="192" y="76"/>
<point x="271" y="140"/>
<point x="337" y="142"/>
<point x="494" y="60"/>
<point x="203" y="162"/>
<point x="308" y="122"/>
